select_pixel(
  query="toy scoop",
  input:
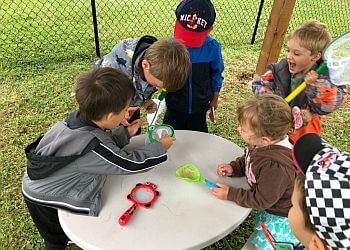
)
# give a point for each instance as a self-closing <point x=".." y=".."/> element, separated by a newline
<point x="189" y="172"/>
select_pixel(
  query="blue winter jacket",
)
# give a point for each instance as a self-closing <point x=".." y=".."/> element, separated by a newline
<point x="205" y="78"/>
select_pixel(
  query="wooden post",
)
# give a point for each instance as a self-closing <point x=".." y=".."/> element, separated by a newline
<point x="280" y="15"/>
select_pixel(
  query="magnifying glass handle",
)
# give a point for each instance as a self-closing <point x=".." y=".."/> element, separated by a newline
<point x="127" y="215"/>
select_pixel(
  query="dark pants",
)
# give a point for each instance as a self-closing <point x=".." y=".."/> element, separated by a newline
<point x="181" y="121"/>
<point x="46" y="220"/>
<point x="136" y="115"/>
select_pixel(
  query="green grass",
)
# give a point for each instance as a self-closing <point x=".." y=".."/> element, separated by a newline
<point x="37" y="74"/>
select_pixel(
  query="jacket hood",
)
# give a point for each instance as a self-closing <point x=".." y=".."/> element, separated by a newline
<point x="278" y="151"/>
<point x="49" y="153"/>
<point x="75" y="120"/>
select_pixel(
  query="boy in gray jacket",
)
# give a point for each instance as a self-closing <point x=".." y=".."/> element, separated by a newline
<point x="151" y="65"/>
<point x="68" y="166"/>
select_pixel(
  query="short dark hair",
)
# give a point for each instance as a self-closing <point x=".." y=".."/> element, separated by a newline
<point x="102" y="91"/>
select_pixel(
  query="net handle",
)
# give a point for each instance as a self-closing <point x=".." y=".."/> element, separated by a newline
<point x="322" y="68"/>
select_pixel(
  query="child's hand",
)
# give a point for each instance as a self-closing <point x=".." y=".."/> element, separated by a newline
<point x="167" y="141"/>
<point x="225" y="170"/>
<point x="128" y="115"/>
<point x="135" y="125"/>
<point x="221" y="192"/>
<point x="150" y="106"/>
<point x="311" y="77"/>
<point x="215" y="101"/>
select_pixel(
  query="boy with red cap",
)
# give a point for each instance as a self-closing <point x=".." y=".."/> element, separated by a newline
<point x="187" y="107"/>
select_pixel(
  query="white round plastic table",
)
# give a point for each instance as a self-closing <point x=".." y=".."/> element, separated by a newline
<point x="185" y="216"/>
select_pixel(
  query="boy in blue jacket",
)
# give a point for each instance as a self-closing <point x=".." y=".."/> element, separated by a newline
<point x="187" y="107"/>
<point x="68" y="166"/>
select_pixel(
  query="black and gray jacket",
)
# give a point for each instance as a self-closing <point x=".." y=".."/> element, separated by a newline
<point x="68" y="166"/>
<point x="126" y="56"/>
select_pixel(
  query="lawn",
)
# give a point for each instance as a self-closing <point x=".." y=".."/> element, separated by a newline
<point x="37" y="75"/>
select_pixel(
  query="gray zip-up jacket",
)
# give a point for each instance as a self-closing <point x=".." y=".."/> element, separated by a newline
<point x="68" y="166"/>
<point x="121" y="58"/>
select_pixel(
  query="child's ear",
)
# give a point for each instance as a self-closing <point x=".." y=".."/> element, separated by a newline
<point x="266" y="140"/>
<point x="316" y="243"/>
<point x="109" y="116"/>
<point x="145" y="64"/>
<point x="317" y="56"/>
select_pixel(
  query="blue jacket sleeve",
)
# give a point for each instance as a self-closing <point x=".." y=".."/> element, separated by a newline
<point x="217" y="67"/>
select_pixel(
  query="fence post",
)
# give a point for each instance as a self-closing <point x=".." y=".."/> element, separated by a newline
<point x="257" y="21"/>
<point x="280" y="15"/>
<point x="94" y="20"/>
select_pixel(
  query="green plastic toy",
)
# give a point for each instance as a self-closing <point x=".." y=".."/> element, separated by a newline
<point x="189" y="172"/>
<point x="155" y="132"/>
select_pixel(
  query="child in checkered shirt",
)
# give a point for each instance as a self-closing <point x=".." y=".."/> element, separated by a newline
<point x="320" y="215"/>
<point x="265" y="122"/>
<point x="303" y="55"/>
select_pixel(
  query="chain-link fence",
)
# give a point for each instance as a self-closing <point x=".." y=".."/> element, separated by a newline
<point x="53" y="30"/>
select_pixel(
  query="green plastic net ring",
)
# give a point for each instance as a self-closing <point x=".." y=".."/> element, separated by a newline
<point x="155" y="132"/>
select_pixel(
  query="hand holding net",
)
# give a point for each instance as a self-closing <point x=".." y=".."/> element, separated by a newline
<point x="336" y="57"/>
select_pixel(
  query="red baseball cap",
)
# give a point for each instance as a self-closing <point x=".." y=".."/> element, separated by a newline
<point x="194" y="18"/>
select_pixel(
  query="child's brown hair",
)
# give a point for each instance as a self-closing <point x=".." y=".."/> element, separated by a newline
<point x="170" y="63"/>
<point x="102" y="91"/>
<point x="312" y="35"/>
<point x="267" y="115"/>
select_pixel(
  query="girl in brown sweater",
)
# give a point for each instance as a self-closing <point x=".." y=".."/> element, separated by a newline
<point x="264" y="124"/>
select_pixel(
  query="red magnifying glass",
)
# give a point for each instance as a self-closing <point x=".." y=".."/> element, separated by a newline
<point x="142" y="195"/>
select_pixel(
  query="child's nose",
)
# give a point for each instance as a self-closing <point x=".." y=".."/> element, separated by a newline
<point x="288" y="55"/>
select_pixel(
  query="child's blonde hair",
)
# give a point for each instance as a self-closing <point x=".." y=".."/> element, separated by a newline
<point x="170" y="63"/>
<point x="312" y="35"/>
<point x="267" y="115"/>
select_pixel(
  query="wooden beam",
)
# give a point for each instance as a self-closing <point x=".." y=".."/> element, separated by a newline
<point x="280" y="15"/>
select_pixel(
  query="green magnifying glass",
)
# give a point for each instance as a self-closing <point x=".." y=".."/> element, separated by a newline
<point x="155" y="132"/>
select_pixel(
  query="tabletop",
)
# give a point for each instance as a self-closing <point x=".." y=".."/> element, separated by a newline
<point x="185" y="216"/>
